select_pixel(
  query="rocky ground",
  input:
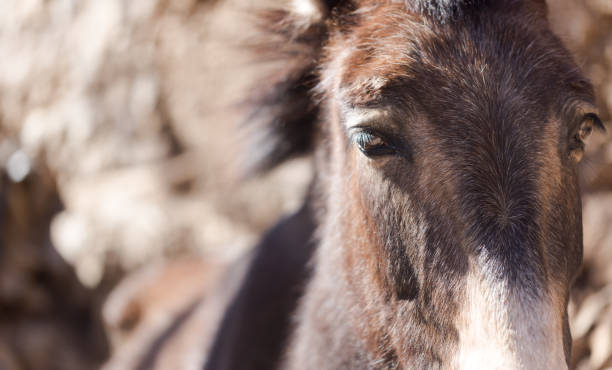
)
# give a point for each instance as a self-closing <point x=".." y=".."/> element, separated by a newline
<point x="118" y="152"/>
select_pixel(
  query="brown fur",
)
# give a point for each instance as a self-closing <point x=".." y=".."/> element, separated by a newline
<point x="483" y="108"/>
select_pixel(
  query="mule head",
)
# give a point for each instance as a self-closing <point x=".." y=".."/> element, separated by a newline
<point x="449" y="134"/>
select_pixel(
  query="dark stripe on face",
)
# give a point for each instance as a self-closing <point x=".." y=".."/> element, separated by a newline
<point x="496" y="169"/>
<point x="498" y="196"/>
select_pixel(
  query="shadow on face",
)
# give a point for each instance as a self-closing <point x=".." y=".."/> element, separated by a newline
<point x="460" y="142"/>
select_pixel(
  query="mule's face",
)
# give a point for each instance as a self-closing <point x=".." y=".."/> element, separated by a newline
<point x="454" y="151"/>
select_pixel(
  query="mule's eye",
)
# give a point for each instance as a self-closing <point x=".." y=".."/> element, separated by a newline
<point x="371" y="144"/>
<point x="576" y="147"/>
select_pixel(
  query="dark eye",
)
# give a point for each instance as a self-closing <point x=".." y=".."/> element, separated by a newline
<point x="576" y="147"/>
<point x="371" y="144"/>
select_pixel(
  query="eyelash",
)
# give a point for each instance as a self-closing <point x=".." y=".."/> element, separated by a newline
<point x="372" y="144"/>
<point x="597" y="122"/>
<point x="364" y="138"/>
<point x="581" y="132"/>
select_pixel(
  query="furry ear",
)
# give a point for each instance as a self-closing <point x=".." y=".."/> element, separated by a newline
<point x="280" y="111"/>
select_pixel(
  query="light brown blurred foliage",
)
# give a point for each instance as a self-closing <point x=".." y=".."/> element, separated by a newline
<point x="117" y="150"/>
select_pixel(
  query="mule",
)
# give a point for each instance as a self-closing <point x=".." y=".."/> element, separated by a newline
<point x="446" y="216"/>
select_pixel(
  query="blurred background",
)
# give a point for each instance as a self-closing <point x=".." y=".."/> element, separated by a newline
<point x="120" y="199"/>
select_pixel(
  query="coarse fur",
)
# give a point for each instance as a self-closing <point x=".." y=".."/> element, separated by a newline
<point x="453" y="243"/>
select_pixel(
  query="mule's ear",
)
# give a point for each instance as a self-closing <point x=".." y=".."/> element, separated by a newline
<point x="280" y="111"/>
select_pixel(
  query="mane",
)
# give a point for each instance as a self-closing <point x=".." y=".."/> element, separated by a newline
<point x="280" y="114"/>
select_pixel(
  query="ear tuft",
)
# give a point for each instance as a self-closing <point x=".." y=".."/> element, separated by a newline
<point x="308" y="9"/>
